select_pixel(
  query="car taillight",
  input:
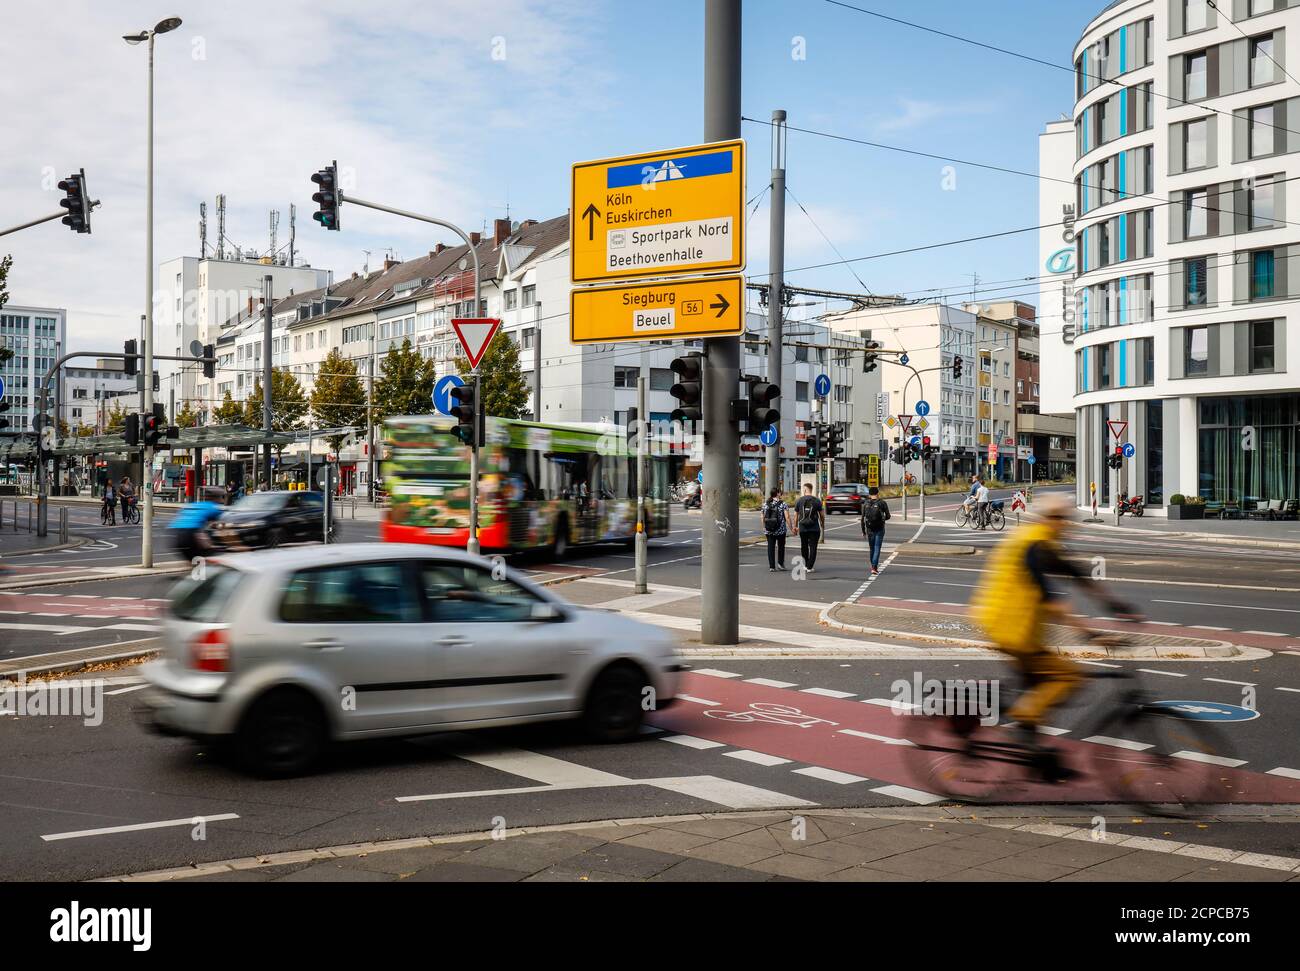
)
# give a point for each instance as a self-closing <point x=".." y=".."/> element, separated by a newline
<point x="210" y="651"/>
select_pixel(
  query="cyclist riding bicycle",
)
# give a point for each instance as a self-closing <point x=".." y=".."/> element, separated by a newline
<point x="126" y="491"/>
<point x="1016" y="599"/>
<point x="109" y="508"/>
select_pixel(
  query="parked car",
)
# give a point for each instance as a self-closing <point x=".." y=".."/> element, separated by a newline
<point x="282" y="651"/>
<point x="847" y="498"/>
<point x="269" y="519"/>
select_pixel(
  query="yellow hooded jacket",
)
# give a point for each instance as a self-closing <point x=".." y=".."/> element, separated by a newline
<point x="1008" y="604"/>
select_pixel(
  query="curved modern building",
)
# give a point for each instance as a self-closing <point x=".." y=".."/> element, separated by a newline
<point x="1170" y="287"/>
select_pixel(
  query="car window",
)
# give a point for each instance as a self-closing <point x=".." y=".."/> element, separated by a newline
<point x="467" y="594"/>
<point x="355" y="593"/>
<point x="204" y="600"/>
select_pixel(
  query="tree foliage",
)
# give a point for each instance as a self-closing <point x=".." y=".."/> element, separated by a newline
<point x="187" y="417"/>
<point x="504" y="391"/>
<point x="405" y="386"/>
<point x="5" y="352"/>
<point x="229" y="412"/>
<point x="289" y="404"/>
<point x="338" y="397"/>
<point x="114" y="419"/>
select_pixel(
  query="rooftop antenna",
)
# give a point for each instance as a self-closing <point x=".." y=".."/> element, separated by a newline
<point x="293" y="230"/>
<point x="275" y="225"/>
<point x="203" y="230"/>
<point x="365" y="269"/>
<point x="221" y="226"/>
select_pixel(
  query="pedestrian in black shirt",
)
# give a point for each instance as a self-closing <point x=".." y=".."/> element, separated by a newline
<point x="810" y="519"/>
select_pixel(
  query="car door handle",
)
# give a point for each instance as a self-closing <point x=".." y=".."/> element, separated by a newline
<point x="454" y="640"/>
<point x="322" y="643"/>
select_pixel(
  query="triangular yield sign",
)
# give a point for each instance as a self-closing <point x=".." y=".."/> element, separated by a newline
<point x="905" y="421"/>
<point x="475" y="334"/>
<point x="1117" y="428"/>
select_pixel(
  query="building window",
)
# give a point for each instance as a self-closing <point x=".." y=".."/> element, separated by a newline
<point x="1103" y="365"/>
<point x="1262" y="278"/>
<point x="1261" y="346"/>
<point x="1195" y="15"/>
<point x="1148" y="348"/>
<point x="1195" y="140"/>
<point x="1196" y="351"/>
<point x="625" y="377"/>
<point x="801" y="391"/>
<point x="530" y="295"/>
<point x="661" y="379"/>
<point x="1261" y="61"/>
<point x="801" y="352"/>
<point x="1194" y="76"/>
<point x="1261" y="131"/>
<point x="1258" y="7"/>
<point x="512" y="299"/>
<point x="1155" y="440"/>
<point x="529" y="335"/>
<point x="1194" y="276"/>
<point x="1262" y="201"/>
<point x="1195" y="211"/>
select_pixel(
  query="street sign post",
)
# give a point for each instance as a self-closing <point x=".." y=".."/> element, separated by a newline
<point x="1129" y="450"/>
<point x="442" y="402"/>
<point x="659" y="213"/>
<point x="768" y="436"/>
<point x="1117" y="428"/>
<point x="475" y="334"/>
<point x="822" y="385"/>
<point x="873" y="471"/>
<point x="923" y="408"/>
<point x="671" y="309"/>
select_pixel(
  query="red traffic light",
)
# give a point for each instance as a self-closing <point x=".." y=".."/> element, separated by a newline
<point x="926" y="441"/>
<point x="1119" y="449"/>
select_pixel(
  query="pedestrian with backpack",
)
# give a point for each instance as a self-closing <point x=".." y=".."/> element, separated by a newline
<point x="776" y="515"/>
<point x="810" y="516"/>
<point x="875" y="513"/>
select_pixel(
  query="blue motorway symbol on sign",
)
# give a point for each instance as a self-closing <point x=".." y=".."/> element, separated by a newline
<point x="1129" y="450"/>
<point x="923" y="408"/>
<point x="768" y="436"/>
<point x="1031" y="460"/>
<point x="822" y="385"/>
<point x="442" y="392"/>
<point x="1208" y="711"/>
<point x="904" y="359"/>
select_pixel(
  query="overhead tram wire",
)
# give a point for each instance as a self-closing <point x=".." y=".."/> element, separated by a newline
<point x="1228" y="17"/>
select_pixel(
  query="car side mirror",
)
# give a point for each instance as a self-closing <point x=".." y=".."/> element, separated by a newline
<point x="545" y="612"/>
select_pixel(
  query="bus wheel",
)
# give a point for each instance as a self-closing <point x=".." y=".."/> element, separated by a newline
<point x="560" y="544"/>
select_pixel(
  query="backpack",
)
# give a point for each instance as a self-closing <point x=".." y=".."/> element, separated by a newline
<point x="771" y="517"/>
<point x="872" y="516"/>
<point x="808" y="511"/>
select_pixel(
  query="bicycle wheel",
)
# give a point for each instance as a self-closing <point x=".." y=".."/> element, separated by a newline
<point x="996" y="519"/>
<point x="963" y="517"/>
<point x="1172" y="763"/>
<point x="961" y="759"/>
<point x="103" y="515"/>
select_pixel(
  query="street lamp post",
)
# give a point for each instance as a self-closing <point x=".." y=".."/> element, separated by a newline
<point x="146" y="528"/>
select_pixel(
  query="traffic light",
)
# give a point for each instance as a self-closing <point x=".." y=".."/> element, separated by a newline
<point x="153" y="427"/>
<point x="328" y="196"/>
<point x="1116" y="460"/>
<point x="928" y="451"/>
<point x="690" y="387"/>
<point x="130" y="362"/>
<point x="956" y="366"/>
<point x="4" y="406"/>
<point x="869" y="358"/>
<point x="131" y="430"/>
<point x="210" y="365"/>
<point x="464" y="412"/>
<point x="74" y="200"/>
<point x="761" y="415"/>
<point x="814" y="443"/>
<point x="834" y="442"/>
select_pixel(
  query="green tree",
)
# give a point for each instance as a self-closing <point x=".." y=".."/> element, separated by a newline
<point x="187" y="417"/>
<point x="229" y="412"/>
<point x="338" y="397"/>
<point x="288" y="404"/>
<point x="406" y="385"/>
<point x="504" y="391"/>
<point x="5" y="352"/>
<point x="115" y="419"/>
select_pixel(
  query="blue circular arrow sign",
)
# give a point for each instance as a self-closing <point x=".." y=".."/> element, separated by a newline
<point x="1129" y="450"/>
<point x="914" y="440"/>
<point x="768" y="436"/>
<point x="923" y="408"/>
<point x="442" y="392"/>
<point x="1208" y="711"/>
<point x="822" y="385"/>
<point x="2" y="387"/>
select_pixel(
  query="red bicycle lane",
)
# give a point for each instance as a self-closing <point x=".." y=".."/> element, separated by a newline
<point x="872" y="741"/>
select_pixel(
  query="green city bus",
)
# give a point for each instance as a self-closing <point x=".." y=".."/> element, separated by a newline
<point x="540" y="486"/>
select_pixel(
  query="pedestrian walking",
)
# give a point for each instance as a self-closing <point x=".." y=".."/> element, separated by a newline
<point x="126" y="492"/>
<point x="810" y="518"/>
<point x="875" y="513"/>
<point x="776" y="516"/>
<point x="982" y="504"/>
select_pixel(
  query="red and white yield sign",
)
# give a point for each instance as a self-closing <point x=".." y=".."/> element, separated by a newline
<point x="475" y="334"/>
<point x="1117" y="428"/>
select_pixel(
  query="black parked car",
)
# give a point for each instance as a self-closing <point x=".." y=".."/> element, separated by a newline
<point x="847" y="498"/>
<point x="270" y="519"/>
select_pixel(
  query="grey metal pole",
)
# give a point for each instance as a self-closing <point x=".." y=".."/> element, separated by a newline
<point x="309" y="446"/>
<point x="472" y="545"/>
<point x="268" y="283"/>
<point x="720" y="548"/>
<point x="537" y="364"/>
<point x="642" y="434"/>
<point x="775" y="304"/>
<point x="146" y="527"/>
<point x="35" y="222"/>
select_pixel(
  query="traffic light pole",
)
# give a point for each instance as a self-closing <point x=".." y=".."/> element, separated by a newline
<point x="775" y="303"/>
<point x="472" y="546"/>
<point x="35" y="222"/>
<point x="720" y="547"/>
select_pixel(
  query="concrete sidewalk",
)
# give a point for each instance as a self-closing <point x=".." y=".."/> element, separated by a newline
<point x="23" y="542"/>
<point x="932" y="844"/>
<point x="1267" y="534"/>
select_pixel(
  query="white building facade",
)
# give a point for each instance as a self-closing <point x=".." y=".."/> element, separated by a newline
<point x="1169" y="297"/>
<point x="38" y="337"/>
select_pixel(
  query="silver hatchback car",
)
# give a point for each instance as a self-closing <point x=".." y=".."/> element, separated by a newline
<point x="282" y="651"/>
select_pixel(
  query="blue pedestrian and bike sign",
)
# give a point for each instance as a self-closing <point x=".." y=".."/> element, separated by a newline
<point x="822" y="385"/>
<point x="442" y="392"/>
<point x="1129" y="450"/>
<point x="922" y="408"/>
<point x="768" y="436"/>
<point x="1207" y="711"/>
<point x="1031" y="460"/>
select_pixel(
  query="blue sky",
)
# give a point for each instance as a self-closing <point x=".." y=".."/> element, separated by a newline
<point x="456" y="106"/>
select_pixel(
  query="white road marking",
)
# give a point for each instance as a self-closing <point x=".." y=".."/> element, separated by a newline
<point x="1100" y="664"/>
<point x="909" y="795"/>
<point x="1206" y="627"/>
<point x="122" y="691"/>
<point x="1296" y="690"/>
<point x="698" y="701"/>
<point x="1168" y="674"/>
<point x="162" y="824"/>
<point x="769" y="683"/>
<point x="758" y="758"/>
<point x="1241" y="684"/>
<point x="1266" y="633"/>
<point x="1118" y="743"/>
<point x="690" y="741"/>
<point x="1210" y="759"/>
<point x="830" y="775"/>
<point x="715" y="673"/>
<point x="875" y="738"/>
<point x="899" y="706"/>
<point x="1200" y="603"/>
<point x="1283" y="771"/>
<point x="827" y="692"/>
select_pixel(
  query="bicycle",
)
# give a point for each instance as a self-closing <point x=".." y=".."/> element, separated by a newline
<point x="131" y="517"/>
<point x="108" y="514"/>
<point x="1168" y="761"/>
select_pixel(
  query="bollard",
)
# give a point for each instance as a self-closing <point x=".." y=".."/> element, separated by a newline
<point x="29" y="517"/>
<point x="63" y="525"/>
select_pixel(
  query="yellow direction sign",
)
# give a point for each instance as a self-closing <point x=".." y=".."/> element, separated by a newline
<point x="670" y="309"/>
<point x="658" y="214"/>
<point x="873" y="471"/>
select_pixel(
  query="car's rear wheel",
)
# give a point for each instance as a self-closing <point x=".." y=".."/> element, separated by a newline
<point x="282" y="734"/>
<point x="613" y="712"/>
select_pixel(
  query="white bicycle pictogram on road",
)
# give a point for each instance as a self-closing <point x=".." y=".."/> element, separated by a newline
<point x="762" y="711"/>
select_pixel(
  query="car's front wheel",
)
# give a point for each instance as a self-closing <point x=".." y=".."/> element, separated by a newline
<point x="283" y="734"/>
<point x="614" y="711"/>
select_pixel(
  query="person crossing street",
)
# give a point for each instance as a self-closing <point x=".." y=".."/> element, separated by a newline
<point x="810" y="520"/>
<point x="875" y="513"/>
<point x="776" y="520"/>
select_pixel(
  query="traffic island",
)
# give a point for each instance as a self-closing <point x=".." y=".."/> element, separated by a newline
<point x="957" y="629"/>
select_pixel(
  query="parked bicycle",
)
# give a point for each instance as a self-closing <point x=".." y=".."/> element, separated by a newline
<point x="1156" y="758"/>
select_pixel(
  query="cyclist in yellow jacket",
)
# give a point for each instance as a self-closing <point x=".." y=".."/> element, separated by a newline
<point x="1017" y="598"/>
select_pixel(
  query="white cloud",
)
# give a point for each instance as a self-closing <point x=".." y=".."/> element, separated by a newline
<point x="918" y="113"/>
